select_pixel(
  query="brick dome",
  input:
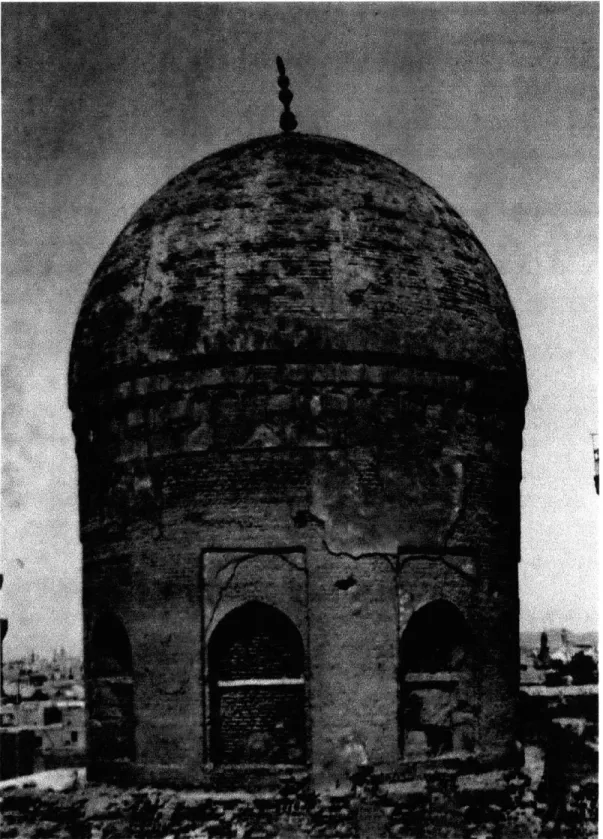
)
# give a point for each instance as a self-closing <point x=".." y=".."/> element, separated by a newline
<point x="298" y="393"/>
<point x="295" y="247"/>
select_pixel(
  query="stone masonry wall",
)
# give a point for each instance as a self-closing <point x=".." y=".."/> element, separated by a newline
<point x="368" y="491"/>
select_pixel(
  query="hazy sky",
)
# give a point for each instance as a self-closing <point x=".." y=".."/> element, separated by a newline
<point x="493" y="104"/>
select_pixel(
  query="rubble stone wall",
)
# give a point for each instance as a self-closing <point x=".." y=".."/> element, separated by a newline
<point x="493" y="806"/>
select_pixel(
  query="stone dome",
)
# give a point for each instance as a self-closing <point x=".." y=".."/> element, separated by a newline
<point x="297" y="247"/>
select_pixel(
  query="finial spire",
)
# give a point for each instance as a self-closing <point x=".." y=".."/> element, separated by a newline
<point x="287" y="121"/>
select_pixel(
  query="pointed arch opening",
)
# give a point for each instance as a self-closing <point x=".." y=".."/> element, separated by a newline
<point x="257" y="688"/>
<point x="110" y="648"/>
<point x="438" y="714"/>
<point x="110" y="690"/>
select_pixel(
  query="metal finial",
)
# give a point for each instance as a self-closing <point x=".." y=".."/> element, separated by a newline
<point x="287" y="121"/>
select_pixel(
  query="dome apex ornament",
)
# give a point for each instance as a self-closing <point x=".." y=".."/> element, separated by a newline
<point x="287" y="121"/>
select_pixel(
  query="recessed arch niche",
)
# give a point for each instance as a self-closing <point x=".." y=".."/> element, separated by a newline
<point x="257" y="688"/>
<point x="437" y="714"/>
<point x="111" y="696"/>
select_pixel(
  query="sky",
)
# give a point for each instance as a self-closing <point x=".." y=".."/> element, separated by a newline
<point x="494" y="104"/>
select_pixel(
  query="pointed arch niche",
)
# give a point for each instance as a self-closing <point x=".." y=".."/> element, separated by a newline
<point x="437" y="714"/>
<point x="110" y="689"/>
<point x="257" y="688"/>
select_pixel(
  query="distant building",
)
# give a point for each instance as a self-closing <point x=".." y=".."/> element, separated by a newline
<point x="58" y="728"/>
<point x="568" y="663"/>
<point x="22" y="675"/>
<point x="3" y="631"/>
<point x="42" y="716"/>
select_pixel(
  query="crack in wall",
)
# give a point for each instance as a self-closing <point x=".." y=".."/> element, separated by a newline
<point x="236" y="562"/>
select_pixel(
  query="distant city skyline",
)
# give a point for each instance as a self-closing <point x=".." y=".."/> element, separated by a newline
<point x="495" y="105"/>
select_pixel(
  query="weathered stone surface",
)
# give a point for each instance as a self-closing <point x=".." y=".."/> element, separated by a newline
<point x="297" y="382"/>
<point x="389" y="809"/>
<point x="297" y="244"/>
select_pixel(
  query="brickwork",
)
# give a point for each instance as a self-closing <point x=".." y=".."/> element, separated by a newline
<point x="295" y="243"/>
<point x="297" y="381"/>
<point x="260" y="725"/>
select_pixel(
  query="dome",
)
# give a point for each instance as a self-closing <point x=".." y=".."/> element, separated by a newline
<point x="297" y="247"/>
<point x="298" y="390"/>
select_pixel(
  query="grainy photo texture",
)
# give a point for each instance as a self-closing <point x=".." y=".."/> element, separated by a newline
<point x="300" y="464"/>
